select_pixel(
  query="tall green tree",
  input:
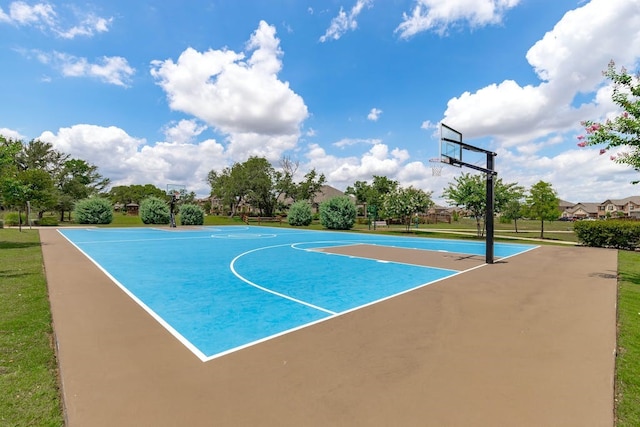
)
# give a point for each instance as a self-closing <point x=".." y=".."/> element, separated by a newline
<point x="372" y="194"/>
<point x="542" y="203"/>
<point x="469" y="191"/>
<point x="404" y="203"/>
<point x="41" y="155"/>
<point x="310" y="186"/>
<point x="252" y="182"/>
<point x="28" y="187"/>
<point x="77" y="180"/>
<point x="9" y="185"/>
<point x="136" y="193"/>
<point x="260" y="179"/>
<point x="624" y="129"/>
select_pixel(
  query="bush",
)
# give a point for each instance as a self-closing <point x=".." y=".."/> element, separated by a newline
<point x="191" y="215"/>
<point x="95" y="210"/>
<point x="300" y="214"/>
<point x="338" y="213"/>
<point x="154" y="210"/>
<point x="609" y="233"/>
<point x="48" y="221"/>
<point x="12" y="219"/>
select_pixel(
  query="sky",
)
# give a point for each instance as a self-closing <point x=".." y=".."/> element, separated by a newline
<point x="163" y="92"/>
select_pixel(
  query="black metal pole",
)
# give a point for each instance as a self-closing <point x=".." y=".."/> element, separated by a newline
<point x="173" y="215"/>
<point x="489" y="212"/>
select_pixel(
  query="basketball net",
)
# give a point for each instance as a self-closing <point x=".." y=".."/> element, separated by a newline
<point x="436" y="167"/>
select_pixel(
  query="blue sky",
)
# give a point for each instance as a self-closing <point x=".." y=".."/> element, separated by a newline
<point x="163" y="92"/>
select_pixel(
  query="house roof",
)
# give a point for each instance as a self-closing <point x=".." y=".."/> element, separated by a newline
<point x="589" y="207"/>
<point x="621" y="202"/>
<point x="327" y="192"/>
<point x="563" y="204"/>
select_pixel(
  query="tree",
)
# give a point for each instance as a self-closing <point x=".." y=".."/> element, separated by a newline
<point x="624" y="129"/>
<point x="32" y="186"/>
<point x="9" y="149"/>
<point x="259" y="178"/>
<point x="78" y="180"/>
<point x="470" y="192"/>
<point x="404" y="203"/>
<point x="257" y="183"/>
<point x="125" y="194"/>
<point x="310" y="186"/>
<point x="371" y="194"/>
<point x="228" y="187"/>
<point x="513" y="211"/>
<point x="542" y="203"/>
<point x="41" y="155"/>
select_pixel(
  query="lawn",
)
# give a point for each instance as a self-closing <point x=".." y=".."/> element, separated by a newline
<point x="628" y="359"/>
<point x="28" y="370"/>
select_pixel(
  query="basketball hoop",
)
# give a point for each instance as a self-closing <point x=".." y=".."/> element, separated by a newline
<point x="436" y="166"/>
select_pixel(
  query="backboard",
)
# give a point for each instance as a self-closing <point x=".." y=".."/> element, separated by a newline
<point x="450" y="145"/>
<point x="176" y="190"/>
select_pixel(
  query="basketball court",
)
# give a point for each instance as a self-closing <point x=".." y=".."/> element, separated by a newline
<point x="273" y="326"/>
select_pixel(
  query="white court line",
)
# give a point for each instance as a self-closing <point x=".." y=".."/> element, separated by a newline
<point x="262" y="288"/>
<point x="383" y="261"/>
<point x="200" y="355"/>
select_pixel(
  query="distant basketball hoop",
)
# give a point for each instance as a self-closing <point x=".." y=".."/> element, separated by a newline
<point x="436" y="166"/>
<point x="174" y="191"/>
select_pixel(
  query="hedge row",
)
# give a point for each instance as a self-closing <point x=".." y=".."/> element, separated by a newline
<point x="609" y="234"/>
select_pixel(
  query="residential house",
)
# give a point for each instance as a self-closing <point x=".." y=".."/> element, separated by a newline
<point x="582" y="210"/>
<point x="612" y="208"/>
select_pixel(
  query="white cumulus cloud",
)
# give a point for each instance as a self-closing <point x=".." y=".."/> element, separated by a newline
<point x="240" y="96"/>
<point x="128" y="160"/>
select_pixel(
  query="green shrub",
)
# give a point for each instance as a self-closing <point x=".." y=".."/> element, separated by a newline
<point x="95" y="210"/>
<point x="48" y="221"/>
<point x="154" y="210"/>
<point x="12" y="219"/>
<point x="609" y="233"/>
<point x="191" y="215"/>
<point x="300" y="214"/>
<point x="338" y="213"/>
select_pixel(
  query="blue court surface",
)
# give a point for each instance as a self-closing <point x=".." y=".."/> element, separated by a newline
<point x="220" y="289"/>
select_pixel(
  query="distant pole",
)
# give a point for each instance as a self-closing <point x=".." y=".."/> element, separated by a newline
<point x="173" y="215"/>
<point x="490" y="207"/>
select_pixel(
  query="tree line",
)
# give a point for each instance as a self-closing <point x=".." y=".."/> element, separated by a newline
<point x="35" y="174"/>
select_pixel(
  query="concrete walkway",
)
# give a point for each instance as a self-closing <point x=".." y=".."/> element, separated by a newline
<point x="528" y="341"/>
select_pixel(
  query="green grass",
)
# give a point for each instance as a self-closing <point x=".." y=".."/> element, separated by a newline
<point x="28" y="371"/>
<point x="628" y="359"/>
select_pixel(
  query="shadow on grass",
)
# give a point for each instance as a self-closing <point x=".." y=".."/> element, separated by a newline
<point x="11" y="274"/>
<point x="18" y="245"/>
<point x="633" y="278"/>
